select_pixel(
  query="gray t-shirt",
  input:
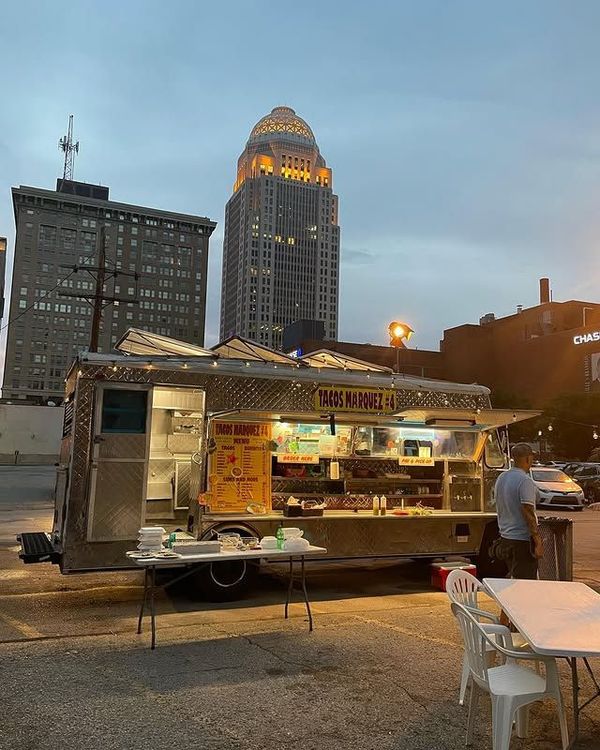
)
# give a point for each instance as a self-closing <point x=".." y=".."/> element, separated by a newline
<point x="513" y="489"/>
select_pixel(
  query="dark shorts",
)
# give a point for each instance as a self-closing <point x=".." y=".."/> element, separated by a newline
<point x="518" y="557"/>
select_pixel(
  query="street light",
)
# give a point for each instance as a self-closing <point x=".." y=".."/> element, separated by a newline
<point x="399" y="332"/>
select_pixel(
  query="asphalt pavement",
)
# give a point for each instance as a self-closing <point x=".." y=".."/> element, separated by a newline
<point x="380" y="670"/>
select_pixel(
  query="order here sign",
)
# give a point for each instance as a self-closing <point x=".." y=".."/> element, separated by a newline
<point x="365" y="400"/>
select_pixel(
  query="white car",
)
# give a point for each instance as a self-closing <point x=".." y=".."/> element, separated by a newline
<point x="556" y="488"/>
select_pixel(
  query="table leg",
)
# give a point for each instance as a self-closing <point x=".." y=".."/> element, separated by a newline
<point x="152" y="611"/>
<point x="310" y="620"/>
<point x="593" y="678"/>
<point x="139" y="627"/>
<point x="575" y="682"/>
<point x="577" y="706"/>
<point x="290" y="587"/>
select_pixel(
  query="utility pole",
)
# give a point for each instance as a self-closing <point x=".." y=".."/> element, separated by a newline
<point x="99" y="300"/>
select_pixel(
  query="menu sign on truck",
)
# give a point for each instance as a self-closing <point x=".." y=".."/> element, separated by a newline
<point x="362" y="400"/>
<point x="240" y="466"/>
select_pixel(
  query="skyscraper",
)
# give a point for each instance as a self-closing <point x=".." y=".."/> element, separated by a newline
<point x="59" y="230"/>
<point x="2" y="272"/>
<point x="282" y="239"/>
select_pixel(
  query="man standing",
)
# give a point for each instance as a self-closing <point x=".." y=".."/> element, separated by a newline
<point x="520" y="544"/>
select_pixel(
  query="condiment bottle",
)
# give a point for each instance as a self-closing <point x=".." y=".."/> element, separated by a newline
<point x="376" y="505"/>
<point x="280" y="537"/>
<point x="382" y="505"/>
<point x="334" y="470"/>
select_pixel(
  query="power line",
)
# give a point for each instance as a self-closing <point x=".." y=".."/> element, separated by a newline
<point x="47" y="294"/>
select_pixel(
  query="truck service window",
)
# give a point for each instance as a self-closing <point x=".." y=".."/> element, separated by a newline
<point x="124" y="411"/>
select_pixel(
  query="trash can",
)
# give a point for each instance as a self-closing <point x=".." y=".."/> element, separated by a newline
<point x="557" y="538"/>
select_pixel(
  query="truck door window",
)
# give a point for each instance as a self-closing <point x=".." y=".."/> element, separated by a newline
<point x="124" y="411"/>
<point x="494" y="456"/>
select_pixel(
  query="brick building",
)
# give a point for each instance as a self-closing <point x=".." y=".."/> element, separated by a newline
<point x="533" y="355"/>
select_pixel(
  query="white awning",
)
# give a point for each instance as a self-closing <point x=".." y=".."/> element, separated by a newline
<point x="491" y="418"/>
<point x="337" y="361"/>
<point x="136" y="341"/>
<point x="238" y="348"/>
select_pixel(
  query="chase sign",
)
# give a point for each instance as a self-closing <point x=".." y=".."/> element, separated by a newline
<point x="586" y="338"/>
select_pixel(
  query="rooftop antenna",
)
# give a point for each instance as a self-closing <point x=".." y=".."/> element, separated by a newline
<point x="66" y="144"/>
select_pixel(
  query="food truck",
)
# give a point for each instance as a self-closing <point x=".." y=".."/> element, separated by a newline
<point x="242" y="439"/>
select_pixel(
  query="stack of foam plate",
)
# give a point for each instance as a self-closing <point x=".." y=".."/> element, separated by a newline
<point x="150" y="539"/>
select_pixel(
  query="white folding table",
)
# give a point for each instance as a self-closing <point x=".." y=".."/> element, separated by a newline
<point x="558" y="618"/>
<point x="150" y="565"/>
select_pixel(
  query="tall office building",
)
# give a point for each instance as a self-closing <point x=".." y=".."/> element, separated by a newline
<point x="282" y="239"/>
<point x="56" y="230"/>
<point x="2" y="273"/>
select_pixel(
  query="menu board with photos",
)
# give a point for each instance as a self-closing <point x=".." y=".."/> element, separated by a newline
<point x="240" y="466"/>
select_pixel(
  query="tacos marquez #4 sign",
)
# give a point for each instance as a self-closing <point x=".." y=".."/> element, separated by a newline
<point x="362" y="400"/>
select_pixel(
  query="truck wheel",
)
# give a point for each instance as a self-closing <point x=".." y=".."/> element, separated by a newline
<point x="225" y="581"/>
<point x="486" y="566"/>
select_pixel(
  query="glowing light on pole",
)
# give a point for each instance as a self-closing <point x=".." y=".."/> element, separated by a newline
<point x="399" y="332"/>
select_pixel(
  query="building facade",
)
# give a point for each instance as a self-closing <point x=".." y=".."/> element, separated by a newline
<point x="536" y="354"/>
<point x="528" y="358"/>
<point x="281" y="250"/>
<point x="2" y="274"/>
<point x="59" y="230"/>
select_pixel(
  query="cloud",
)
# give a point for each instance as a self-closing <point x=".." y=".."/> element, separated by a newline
<point x="356" y="257"/>
<point x="464" y="146"/>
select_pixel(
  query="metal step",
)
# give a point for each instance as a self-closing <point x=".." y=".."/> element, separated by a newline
<point x="37" y="547"/>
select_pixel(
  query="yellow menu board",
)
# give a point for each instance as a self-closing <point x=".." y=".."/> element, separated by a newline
<point x="240" y="466"/>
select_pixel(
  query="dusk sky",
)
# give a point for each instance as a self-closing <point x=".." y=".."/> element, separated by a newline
<point x="464" y="137"/>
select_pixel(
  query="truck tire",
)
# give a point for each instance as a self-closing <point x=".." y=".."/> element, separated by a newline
<point x="486" y="566"/>
<point x="226" y="581"/>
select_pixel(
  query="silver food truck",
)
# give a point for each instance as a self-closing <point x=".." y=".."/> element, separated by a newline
<point x="240" y="438"/>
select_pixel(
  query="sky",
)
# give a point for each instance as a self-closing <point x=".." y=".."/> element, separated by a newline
<point x="464" y="137"/>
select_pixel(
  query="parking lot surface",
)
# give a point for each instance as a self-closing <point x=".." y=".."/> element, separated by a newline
<point x="381" y="669"/>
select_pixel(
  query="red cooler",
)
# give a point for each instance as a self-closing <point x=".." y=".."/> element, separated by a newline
<point x="441" y="571"/>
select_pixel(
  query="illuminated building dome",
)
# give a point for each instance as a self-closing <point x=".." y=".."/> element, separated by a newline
<point x="282" y="121"/>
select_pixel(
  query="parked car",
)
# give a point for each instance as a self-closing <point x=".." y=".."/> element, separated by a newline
<point x="571" y="467"/>
<point x="588" y="476"/>
<point x="556" y="488"/>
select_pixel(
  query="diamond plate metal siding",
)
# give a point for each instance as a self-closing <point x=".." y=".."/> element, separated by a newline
<point x="183" y="482"/>
<point x="122" y="446"/>
<point x="160" y="469"/>
<point x="118" y="501"/>
<point x="374" y="536"/>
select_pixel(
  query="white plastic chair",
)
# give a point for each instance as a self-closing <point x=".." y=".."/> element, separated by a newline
<point x="511" y="686"/>
<point x="463" y="588"/>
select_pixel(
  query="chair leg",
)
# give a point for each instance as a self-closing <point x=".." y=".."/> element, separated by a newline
<point x="523" y="722"/>
<point x="553" y="689"/>
<point x="464" y="680"/>
<point x="473" y="706"/>
<point x="562" y="718"/>
<point x="502" y="720"/>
